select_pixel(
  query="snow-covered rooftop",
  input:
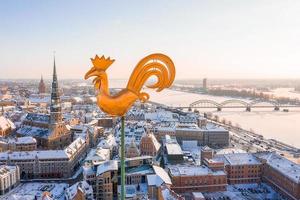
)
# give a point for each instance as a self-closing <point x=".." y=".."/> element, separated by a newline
<point x="5" y="169"/>
<point x="30" y="191"/>
<point x="31" y="155"/>
<point x="44" y="154"/>
<point x="172" y="146"/>
<point x="36" y="117"/>
<point x="168" y="194"/>
<point x="173" y="149"/>
<point x="108" y="142"/>
<point x="74" y="146"/>
<point x="111" y="165"/>
<point x="162" y="174"/>
<point x="187" y="127"/>
<point x="40" y="98"/>
<point x="6" y="123"/>
<point x="156" y="144"/>
<point x="83" y="186"/>
<point x="283" y="165"/>
<point x="198" y="195"/>
<point x="230" y="151"/>
<point x="97" y="155"/>
<point x="241" y="159"/>
<point x="159" y="115"/>
<point x="33" y="131"/>
<point x="192" y="170"/>
<point x="210" y="127"/>
<point x="23" y="140"/>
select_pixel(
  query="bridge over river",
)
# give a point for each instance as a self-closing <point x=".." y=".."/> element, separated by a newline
<point x="237" y="103"/>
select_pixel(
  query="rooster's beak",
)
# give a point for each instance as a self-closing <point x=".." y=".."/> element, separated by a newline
<point x="90" y="73"/>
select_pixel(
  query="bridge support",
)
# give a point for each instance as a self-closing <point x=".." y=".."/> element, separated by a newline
<point x="276" y="108"/>
<point x="248" y="109"/>
<point x="219" y="109"/>
<point x="190" y="109"/>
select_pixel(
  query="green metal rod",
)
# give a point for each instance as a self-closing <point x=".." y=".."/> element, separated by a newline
<point x="122" y="159"/>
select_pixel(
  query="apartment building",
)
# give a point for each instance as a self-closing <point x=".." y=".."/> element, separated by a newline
<point x="47" y="163"/>
<point x="9" y="178"/>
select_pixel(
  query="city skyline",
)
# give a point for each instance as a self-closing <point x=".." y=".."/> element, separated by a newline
<point x="156" y="100"/>
<point x="254" y="39"/>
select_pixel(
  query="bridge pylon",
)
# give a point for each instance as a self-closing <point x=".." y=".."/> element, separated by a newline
<point x="219" y="108"/>
<point x="248" y="109"/>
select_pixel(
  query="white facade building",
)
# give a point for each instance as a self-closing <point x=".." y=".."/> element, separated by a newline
<point x="9" y="178"/>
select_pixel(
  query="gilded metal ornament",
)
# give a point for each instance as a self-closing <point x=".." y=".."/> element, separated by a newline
<point x="157" y="64"/>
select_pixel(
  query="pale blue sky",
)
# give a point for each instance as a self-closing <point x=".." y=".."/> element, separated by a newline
<point x="214" y="39"/>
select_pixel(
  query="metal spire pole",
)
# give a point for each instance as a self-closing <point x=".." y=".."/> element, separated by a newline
<point x="122" y="158"/>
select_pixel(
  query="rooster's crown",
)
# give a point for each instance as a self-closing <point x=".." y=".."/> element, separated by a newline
<point x="102" y="63"/>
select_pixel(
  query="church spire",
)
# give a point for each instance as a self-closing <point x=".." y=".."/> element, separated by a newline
<point x="42" y="86"/>
<point x="55" y="108"/>
<point x="54" y="70"/>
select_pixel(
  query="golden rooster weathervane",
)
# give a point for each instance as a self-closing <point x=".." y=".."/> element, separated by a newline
<point x="157" y="64"/>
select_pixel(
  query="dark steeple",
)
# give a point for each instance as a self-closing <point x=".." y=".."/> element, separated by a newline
<point x="55" y="108"/>
<point x="42" y="86"/>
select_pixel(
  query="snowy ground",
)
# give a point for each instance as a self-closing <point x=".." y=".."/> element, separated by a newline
<point x="28" y="191"/>
<point x="245" y="192"/>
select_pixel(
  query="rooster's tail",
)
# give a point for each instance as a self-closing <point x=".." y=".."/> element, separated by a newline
<point x="158" y="65"/>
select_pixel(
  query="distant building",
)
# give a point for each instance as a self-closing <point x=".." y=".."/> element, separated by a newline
<point x="207" y="134"/>
<point x="103" y="179"/>
<point x="215" y="136"/>
<point x="188" y="132"/>
<point x="104" y="176"/>
<point x="40" y="100"/>
<point x="18" y="144"/>
<point x="6" y="126"/>
<point x="97" y="155"/>
<point x="165" y="193"/>
<point x="132" y="150"/>
<point x="135" y="115"/>
<point x="247" y="168"/>
<point x="164" y="129"/>
<point x="9" y="178"/>
<point x="281" y="173"/>
<point x="204" y="85"/>
<point x="93" y="133"/>
<point x="173" y="151"/>
<point x="241" y="168"/>
<point x="155" y="181"/>
<point x="42" y="86"/>
<point x="50" y="131"/>
<point x="79" y="191"/>
<point x="149" y="145"/>
<point x="192" y="178"/>
<point x="106" y="122"/>
<point x="206" y="153"/>
<point x="47" y="163"/>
